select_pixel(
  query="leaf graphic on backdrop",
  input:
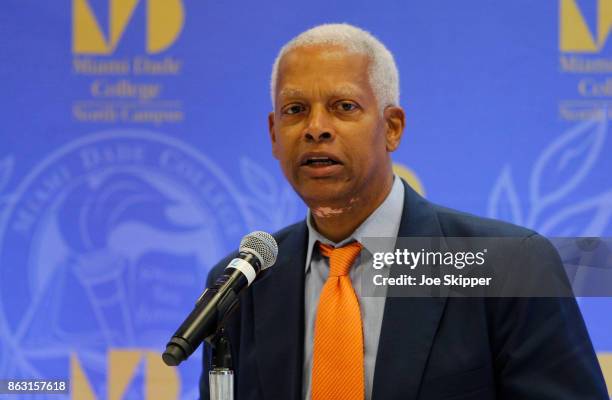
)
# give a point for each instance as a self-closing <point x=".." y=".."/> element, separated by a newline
<point x="270" y="205"/>
<point x="590" y="217"/>
<point x="257" y="215"/>
<point x="503" y="200"/>
<point x="6" y="171"/>
<point x="564" y="164"/>
<point x="260" y="182"/>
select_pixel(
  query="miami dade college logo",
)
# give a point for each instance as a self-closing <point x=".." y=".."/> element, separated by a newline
<point x="164" y="23"/>
<point x="107" y="241"/>
<point x="574" y="33"/>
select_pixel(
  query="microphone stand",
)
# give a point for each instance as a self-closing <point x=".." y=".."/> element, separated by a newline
<point x="221" y="375"/>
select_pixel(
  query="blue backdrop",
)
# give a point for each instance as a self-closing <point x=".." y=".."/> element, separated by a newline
<point x="134" y="153"/>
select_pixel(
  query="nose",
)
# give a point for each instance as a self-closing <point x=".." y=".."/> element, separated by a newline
<point x="318" y="127"/>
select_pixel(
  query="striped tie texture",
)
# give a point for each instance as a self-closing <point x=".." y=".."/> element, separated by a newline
<point x="337" y="369"/>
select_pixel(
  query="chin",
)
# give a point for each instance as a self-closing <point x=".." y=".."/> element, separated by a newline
<point x="324" y="197"/>
<point x="335" y="191"/>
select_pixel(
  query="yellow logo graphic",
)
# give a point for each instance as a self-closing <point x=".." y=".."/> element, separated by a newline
<point x="605" y="360"/>
<point x="413" y="180"/>
<point x="161" y="381"/>
<point x="574" y="33"/>
<point x="164" y="23"/>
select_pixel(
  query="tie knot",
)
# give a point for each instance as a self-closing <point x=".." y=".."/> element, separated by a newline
<point x="341" y="258"/>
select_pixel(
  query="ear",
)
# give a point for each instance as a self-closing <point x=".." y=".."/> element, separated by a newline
<point x="395" y="120"/>
<point x="272" y="135"/>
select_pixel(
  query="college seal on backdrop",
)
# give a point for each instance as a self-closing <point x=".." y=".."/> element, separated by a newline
<point x="118" y="228"/>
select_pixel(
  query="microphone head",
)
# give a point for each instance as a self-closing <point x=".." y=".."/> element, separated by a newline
<point x="262" y="245"/>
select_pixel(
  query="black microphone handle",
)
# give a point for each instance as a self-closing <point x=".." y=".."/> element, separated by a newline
<point x="211" y="308"/>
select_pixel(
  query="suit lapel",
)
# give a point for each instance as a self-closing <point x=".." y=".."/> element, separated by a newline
<point x="278" y="299"/>
<point x="409" y="324"/>
<point x="407" y="332"/>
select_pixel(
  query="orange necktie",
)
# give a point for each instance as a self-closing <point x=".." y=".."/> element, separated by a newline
<point x="337" y="367"/>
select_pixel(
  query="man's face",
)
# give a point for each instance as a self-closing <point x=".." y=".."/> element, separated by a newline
<point x="327" y="131"/>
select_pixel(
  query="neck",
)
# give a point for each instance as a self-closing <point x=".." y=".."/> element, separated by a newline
<point x="336" y="223"/>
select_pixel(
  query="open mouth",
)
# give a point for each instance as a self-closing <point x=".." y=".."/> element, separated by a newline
<point x="319" y="161"/>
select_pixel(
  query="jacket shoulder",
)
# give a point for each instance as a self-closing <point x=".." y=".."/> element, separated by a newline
<point x="462" y="224"/>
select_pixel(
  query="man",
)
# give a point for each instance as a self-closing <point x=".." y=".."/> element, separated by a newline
<point x="304" y="329"/>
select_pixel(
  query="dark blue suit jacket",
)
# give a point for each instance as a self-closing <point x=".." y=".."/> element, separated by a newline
<point x="430" y="348"/>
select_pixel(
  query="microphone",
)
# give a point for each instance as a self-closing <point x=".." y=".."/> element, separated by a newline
<point x="258" y="251"/>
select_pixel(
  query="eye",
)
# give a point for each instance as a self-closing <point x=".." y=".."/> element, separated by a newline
<point x="346" y="106"/>
<point x="292" y="109"/>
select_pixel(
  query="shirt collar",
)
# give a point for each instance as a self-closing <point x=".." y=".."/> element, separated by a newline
<point x="384" y="222"/>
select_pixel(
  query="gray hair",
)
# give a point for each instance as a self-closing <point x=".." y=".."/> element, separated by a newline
<point x="382" y="71"/>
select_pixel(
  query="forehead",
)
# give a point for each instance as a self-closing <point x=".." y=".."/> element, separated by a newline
<point x="325" y="66"/>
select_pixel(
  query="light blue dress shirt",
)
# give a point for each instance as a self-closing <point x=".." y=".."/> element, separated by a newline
<point x="382" y="223"/>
